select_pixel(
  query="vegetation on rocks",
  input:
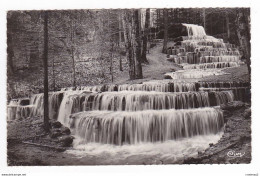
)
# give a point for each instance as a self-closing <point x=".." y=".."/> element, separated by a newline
<point x="235" y="144"/>
<point x="50" y="50"/>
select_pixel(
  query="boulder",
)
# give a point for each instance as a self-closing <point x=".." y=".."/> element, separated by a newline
<point x="66" y="141"/>
<point x="247" y="113"/>
<point x="56" y="124"/>
<point x="55" y="134"/>
<point x="24" y="101"/>
<point x="65" y="130"/>
<point x="234" y="105"/>
<point x="226" y="115"/>
<point x="167" y="77"/>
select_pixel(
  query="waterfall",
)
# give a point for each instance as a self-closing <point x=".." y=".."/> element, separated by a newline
<point x="119" y="128"/>
<point x="55" y="99"/>
<point x="180" y="114"/>
<point x="195" y="74"/>
<point x="130" y="101"/>
<point x="159" y="87"/>
<point x="195" y="30"/>
<point x="210" y="59"/>
<point x="14" y="102"/>
<point x="18" y="109"/>
<point x="37" y="102"/>
<point x="222" y="84"/>
<point x="211" y="65"/>
<point x="71" y="103"/>
<point x="23" y="112"/>
<point x="195" y="58"/>
<point x="239" y="93"/>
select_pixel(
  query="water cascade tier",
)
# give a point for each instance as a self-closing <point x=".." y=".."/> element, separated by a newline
<point x="210" y="65"/>
<point x="74" y="102"/>
<point x="25" y="107"/>
<point x="55" y="99"/>
<point x="195" y="73"/>
<point x="146" y="86"/>
<point x="159" y="86"/>
<point x="108" y="127"/>
<point x="18" y="109"/>
<point x="180" y="114"/>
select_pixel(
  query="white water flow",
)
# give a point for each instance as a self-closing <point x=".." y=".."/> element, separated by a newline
<point x="156" y="120"/>
<point x="161" y="119"/>
<point x="140" y="137"/>
<point x="120" y="128"/>
<point x="130" y="101"/>
<point x="206" y="55"/>
<point x="210" y="65"/>
<point x="167" y="152"/>
<point x="195" y="30"/>
<point x="159" y="87"/>
<point x="195" y="73"/>
<point x="145" y="86"/>
<point x="54" y="101"/>
<point x="19" y="109"/>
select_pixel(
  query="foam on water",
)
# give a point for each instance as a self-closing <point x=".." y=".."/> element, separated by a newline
<point x="168" y="151"/>
<point x="195" y="73"/>
<point x="210" y="65"/>
<point x="122" y="127"/>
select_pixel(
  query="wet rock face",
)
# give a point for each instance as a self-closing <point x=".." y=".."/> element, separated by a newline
<point x="58" y="130"/>
<point x="234" y="105"/>
<point x="247" y="113"/>
<point x="167" y="77"/>
<point x="55" y="134"/>
<point x="66" y="141"/>
<point x="235" y="141"/>
<point x="24" y="101"/>
<point x="65" y="131"/>
<point x="56" y="124"/>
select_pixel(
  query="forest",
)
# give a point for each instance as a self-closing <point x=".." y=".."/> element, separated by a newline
<point x="91" y="47"/>
<point x="129" y="86"/>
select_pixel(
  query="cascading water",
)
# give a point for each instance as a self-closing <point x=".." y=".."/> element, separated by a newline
<point x="141" y="114"/>
<point x="167" y="118"/>
<point x="18" y="109"/>
<point x="108" y="127"/>
<point x="55" y="99"/>
<point x="130" y="101"/>
<point x="159" y="87"/>
<point x="195" y="30"/>
<point x="211" y="65"/>
<point x="194" y="74"/>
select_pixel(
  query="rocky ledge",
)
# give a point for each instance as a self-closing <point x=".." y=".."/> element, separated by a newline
<point x="234" y="147"/>
<point x="30" y="132"/>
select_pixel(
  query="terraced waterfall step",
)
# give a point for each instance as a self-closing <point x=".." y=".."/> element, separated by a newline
<point x="181" y="112"/>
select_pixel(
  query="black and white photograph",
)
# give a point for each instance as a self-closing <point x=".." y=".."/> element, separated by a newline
<point x="128" y="86"/>
<point x="131" y="86"/>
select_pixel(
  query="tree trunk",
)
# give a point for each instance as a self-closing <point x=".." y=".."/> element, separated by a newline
<point x="53" y="75"/>
<point x="139" y="72"/>
<point x="243" y="33"/>
<point x="111" y="50"/>
<point x="119" y="42"/>
<point x="72" y="54"/>
<point x="126" y="21"/>
<point x="145" y="38"/>
<point x="10" y="54"/>
<point x="111" y="63"/>
<point x="165" y="41"/>
<point x="120" y="29"/>
<point x="45" y="65"/>
<point x="227" y="26"/>
<point x="204" y="18"/>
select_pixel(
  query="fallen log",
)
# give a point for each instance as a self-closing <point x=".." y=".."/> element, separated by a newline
<point x="59" y="149"/>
